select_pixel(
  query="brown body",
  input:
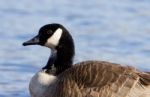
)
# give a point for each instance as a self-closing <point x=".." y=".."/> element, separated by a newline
<point x="85" y="79"/>
<point x="101" y="79"/>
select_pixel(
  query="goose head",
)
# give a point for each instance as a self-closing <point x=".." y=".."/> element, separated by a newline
<point x="58" y="39"/>
<point x="49" y="35"/>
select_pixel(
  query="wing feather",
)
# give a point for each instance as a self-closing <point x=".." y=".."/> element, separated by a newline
<point x="102" y="79"/>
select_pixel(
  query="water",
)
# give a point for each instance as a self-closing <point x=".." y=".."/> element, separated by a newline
<point x="116" y="31"/>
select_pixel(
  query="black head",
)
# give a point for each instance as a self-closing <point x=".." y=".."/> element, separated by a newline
<point x="56" y="37"/>
<point x="49" y="35"/>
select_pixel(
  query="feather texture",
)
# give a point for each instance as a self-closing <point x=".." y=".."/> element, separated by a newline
<point x="101" y="79"/>
<point x="85" y="79"/>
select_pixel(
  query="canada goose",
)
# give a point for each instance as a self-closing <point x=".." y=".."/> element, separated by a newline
<point x="60" y="78"/>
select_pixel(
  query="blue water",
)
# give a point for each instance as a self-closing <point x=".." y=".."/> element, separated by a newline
<point x="116" y="31"/>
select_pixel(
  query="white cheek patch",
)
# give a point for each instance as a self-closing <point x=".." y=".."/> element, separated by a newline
<point x="53" y="41"/>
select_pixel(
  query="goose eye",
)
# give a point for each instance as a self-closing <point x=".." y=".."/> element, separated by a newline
<point x="49" y="32"/>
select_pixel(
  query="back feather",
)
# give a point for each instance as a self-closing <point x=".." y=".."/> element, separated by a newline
<point x="102" y="79"/>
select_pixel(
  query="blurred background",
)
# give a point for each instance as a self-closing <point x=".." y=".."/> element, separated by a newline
<point x="110" y="30"/>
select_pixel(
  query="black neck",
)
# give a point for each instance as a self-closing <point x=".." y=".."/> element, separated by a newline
<point x="63" y="59"/>
<point x="65" y="54"/>
<point x="51" y="60"/>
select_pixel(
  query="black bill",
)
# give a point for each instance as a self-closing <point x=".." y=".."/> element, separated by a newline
<point x="33" y="41"/>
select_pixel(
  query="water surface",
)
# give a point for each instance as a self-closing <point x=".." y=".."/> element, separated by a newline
<point x="116" y="31"/>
